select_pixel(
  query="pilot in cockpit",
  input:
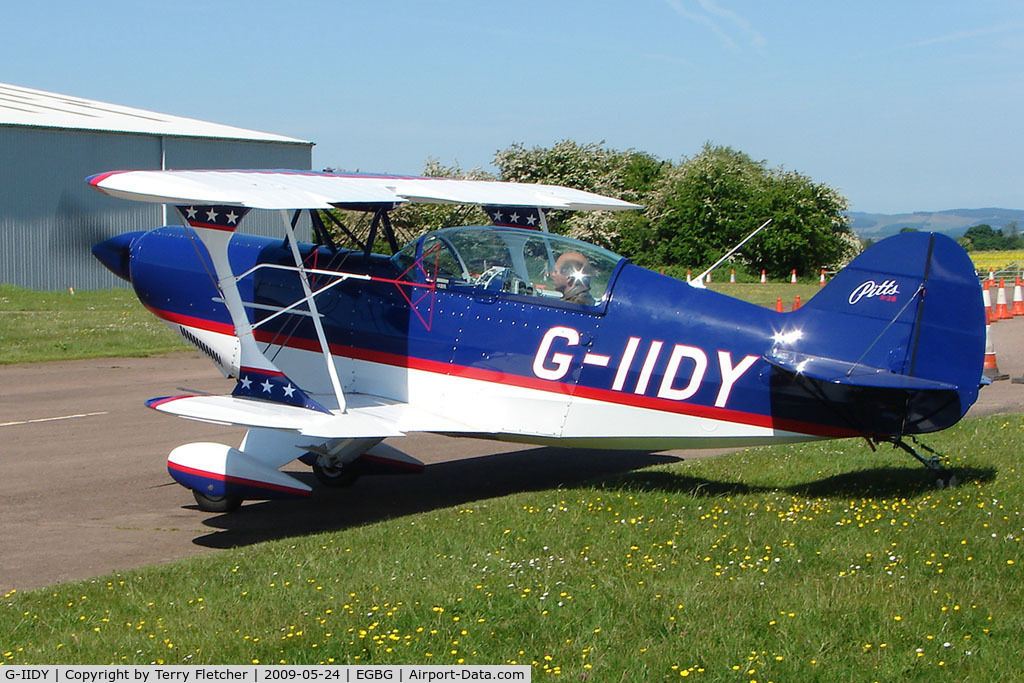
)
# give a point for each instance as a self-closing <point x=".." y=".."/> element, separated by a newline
<point x="571" y="277"/>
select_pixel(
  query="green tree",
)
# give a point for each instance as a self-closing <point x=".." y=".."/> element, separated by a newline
<point x="809" y="227"/>
<point x="984" y="238"/>
<point x="696" y="210"/>
<point x="703" y="206"/>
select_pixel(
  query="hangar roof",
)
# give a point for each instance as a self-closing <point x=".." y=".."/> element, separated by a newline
<point x="27" y="107"/>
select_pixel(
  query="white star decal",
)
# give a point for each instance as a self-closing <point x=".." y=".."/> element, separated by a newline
<point x="531" y="219"/>
<point x="232" y="218"/>
<point x="267" y="386"/>
<point x="211" y="215"/>
<point x="289" y="390"/>
<point x="191" y="211"/>
<point x="514" y="218"/>
<point x="245" y="382"/>
<point x="497" y="216"/>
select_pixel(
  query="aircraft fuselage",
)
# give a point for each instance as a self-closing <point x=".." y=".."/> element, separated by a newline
<point x="653" y="364"/>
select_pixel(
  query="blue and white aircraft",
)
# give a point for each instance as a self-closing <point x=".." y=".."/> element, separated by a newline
<point x="517" y="334"/>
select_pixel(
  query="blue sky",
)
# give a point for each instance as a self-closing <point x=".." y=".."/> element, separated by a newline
<point x="902" y="106"/>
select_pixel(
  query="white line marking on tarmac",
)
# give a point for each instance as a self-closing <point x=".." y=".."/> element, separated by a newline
<point x="51" y="419"/>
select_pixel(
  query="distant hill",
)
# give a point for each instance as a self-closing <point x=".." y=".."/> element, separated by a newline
<point x="953" y="222"/>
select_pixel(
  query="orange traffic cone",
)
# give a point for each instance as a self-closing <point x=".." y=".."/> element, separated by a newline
<point x="796" y="302"/>
<point x="986" y="302"/>
<point x="778" y="305"/>
<point x="764" y="279"/>
<point x="1018" y="299"/>
<point x="732" y="275"/>
<point x="1002" y="312"/>
<point x="990" y="369"/>
<point x="792" y="280"/>
<point x="821" y="280"/>
<point x="687" y="274"/>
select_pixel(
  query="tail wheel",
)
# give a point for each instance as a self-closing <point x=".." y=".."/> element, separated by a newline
<point x="331" y="475"/>
<point x="216" y="503"/>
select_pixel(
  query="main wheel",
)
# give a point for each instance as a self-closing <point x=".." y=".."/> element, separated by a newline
<point x="330" y="475"/>
<point x="216" y="503"/>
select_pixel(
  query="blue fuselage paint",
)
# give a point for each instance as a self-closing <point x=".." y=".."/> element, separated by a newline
<point x="653" y="341"/>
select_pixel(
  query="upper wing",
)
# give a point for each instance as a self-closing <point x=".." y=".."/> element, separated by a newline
<point x="310" y="190"/>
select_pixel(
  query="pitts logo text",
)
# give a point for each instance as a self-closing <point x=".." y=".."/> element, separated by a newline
<point x="885" y="291"/>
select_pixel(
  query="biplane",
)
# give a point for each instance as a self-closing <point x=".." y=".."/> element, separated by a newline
<point x="508" y="331"/>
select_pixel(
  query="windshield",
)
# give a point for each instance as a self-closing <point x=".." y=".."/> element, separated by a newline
<point x="524" y="262"/>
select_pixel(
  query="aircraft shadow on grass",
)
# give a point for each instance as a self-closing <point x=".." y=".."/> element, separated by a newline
<point x="376" y="498"/>
<point x="877" y="482"/>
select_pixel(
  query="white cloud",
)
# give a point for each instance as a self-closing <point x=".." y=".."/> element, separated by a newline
<point x="964" y="35"/>
<point x="729" y="27"/>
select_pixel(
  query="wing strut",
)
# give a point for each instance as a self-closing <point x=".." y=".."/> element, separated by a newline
<point x="338" y="224"/>
<point x="382" y="220"/>
<point x="332" y="372"/>
<point x="214" y="225"/>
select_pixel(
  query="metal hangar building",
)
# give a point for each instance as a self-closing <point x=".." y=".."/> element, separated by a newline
<point x="49" y="145"/>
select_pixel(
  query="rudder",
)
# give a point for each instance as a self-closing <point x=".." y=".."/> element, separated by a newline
<point x="911" y="305"/>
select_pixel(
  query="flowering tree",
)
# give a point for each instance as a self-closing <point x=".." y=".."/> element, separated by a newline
<point x="592" y="167"/>
<point x="695" y="211"/>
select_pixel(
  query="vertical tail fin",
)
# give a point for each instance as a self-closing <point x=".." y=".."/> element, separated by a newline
<point x="911" y="306"/>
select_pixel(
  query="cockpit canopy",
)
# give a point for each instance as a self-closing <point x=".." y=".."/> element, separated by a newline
<point x="514" y="261"/>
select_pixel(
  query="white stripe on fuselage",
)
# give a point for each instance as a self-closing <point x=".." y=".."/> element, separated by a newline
<point x="517" y="413"/>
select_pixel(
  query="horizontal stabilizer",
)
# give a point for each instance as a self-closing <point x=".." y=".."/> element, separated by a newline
<point x="842" y="372"/>
<point x="247" y="412"/>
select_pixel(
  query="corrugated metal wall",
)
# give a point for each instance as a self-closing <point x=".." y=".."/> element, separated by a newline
<point x="50" y="218"/>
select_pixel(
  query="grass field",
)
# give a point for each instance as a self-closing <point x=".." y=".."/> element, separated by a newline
<point x="810" y="562"/>
<point x="46" y="326"/>
<point x="766" y="294"/>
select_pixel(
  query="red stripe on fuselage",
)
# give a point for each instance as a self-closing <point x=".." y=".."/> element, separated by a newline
<point x="190" y="321"/>
<point x="465" y="372"/>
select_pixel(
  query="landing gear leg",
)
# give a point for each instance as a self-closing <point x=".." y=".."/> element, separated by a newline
<point x="331" y="461"/>
<point x="330" y="473"/>
<point x="934" y="463"/>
